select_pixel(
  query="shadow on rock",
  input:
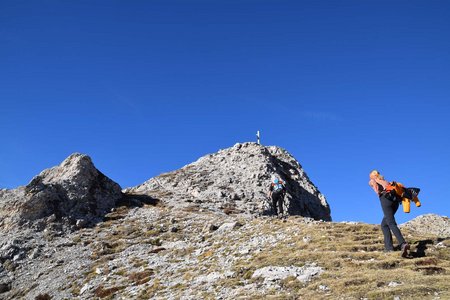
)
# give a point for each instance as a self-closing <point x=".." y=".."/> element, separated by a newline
<point x="300" y="201"/>
<point x="137" y="200"/>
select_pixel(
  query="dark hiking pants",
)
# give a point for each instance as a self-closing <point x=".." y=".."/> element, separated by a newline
<point x="388" y="224"/>
<point x="277" y="199"/>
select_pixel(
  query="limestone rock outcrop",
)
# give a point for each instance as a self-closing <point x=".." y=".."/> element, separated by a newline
<point x="74" y="193"/>
<point x="430" y="224"/>
<point x="236" y="180"/>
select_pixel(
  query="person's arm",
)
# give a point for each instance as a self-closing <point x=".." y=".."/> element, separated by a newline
<point x="381" y="182"/>
<point x="374" y="186"/>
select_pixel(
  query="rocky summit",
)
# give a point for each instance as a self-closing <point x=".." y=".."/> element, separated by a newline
<point x="75" y="194"/>
<point x="203" y="232"/>
<point x="236" y="180"/>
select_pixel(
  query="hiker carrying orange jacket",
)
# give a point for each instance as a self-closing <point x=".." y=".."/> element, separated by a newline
<point x="404" y="195"/>
<point x="389" y="205"/>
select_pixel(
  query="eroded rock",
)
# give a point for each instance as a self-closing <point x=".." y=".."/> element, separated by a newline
<point x="236" y="181"/>
<point x="74" y="190"/>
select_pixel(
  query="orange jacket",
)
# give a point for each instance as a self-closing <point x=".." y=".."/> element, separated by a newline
<point x="399" y="190"/>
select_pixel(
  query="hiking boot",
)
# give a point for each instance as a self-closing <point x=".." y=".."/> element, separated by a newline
<point x="405" y="249"/>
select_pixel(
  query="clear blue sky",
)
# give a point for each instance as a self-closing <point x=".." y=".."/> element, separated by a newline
<point x="146" y="87"/>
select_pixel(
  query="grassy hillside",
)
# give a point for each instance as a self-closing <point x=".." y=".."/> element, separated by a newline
<point x="151" y="252"/>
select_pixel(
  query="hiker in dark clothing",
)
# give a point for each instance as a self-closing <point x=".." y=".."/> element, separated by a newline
<point x="389" y="205"/>
<point x="277" y="191"/>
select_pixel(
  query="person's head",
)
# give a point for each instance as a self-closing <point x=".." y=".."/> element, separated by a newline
<point x="375" y="174"/>
<point x="275" y="180"/>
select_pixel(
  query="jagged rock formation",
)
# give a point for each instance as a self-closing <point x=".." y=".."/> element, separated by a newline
<point x="430" y="224"/>
<point x="237" y="180"/>
<point x="75" y="194"/>
<point x="189" y="248"/>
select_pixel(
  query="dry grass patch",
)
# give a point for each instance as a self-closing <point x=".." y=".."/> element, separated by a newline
<point x="183" y="252"/>
<point x="142" y="277"/>
<point x="431" y="270"/>
<point x="206" y="254"/>
<point x="121" y="272"/>
<point x="138" y="262"/>
<point x="188" y="276"/>
<point x="108" y="248"/>
<point x="152" y="232"/>
<point x="103" y="292"/>
<point x="150" y="291"/>
<point x="154" y="242"/>
<point x="354" y="263"/>
<point x="118" y="213"/>
<point x="76" y="239"/>
<point x="405" y="292"/>
<point x="192" y="208"/>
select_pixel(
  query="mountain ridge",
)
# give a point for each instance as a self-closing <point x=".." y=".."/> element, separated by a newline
<point x="81" y="236"/>
<point x="237" y="179"/>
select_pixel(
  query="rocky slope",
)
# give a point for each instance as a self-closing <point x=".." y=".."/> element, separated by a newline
<point x="153" y="252"/>
<point x="237" y="179"/>
<point x="196" y="233"/>
<point x="430" y="224"/>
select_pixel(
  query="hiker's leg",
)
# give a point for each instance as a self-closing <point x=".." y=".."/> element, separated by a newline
<point x="388" y="244"/>
<point x="389" y="210"/>
<point x="280" y="203"/>
<point x="274" y="204"/>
